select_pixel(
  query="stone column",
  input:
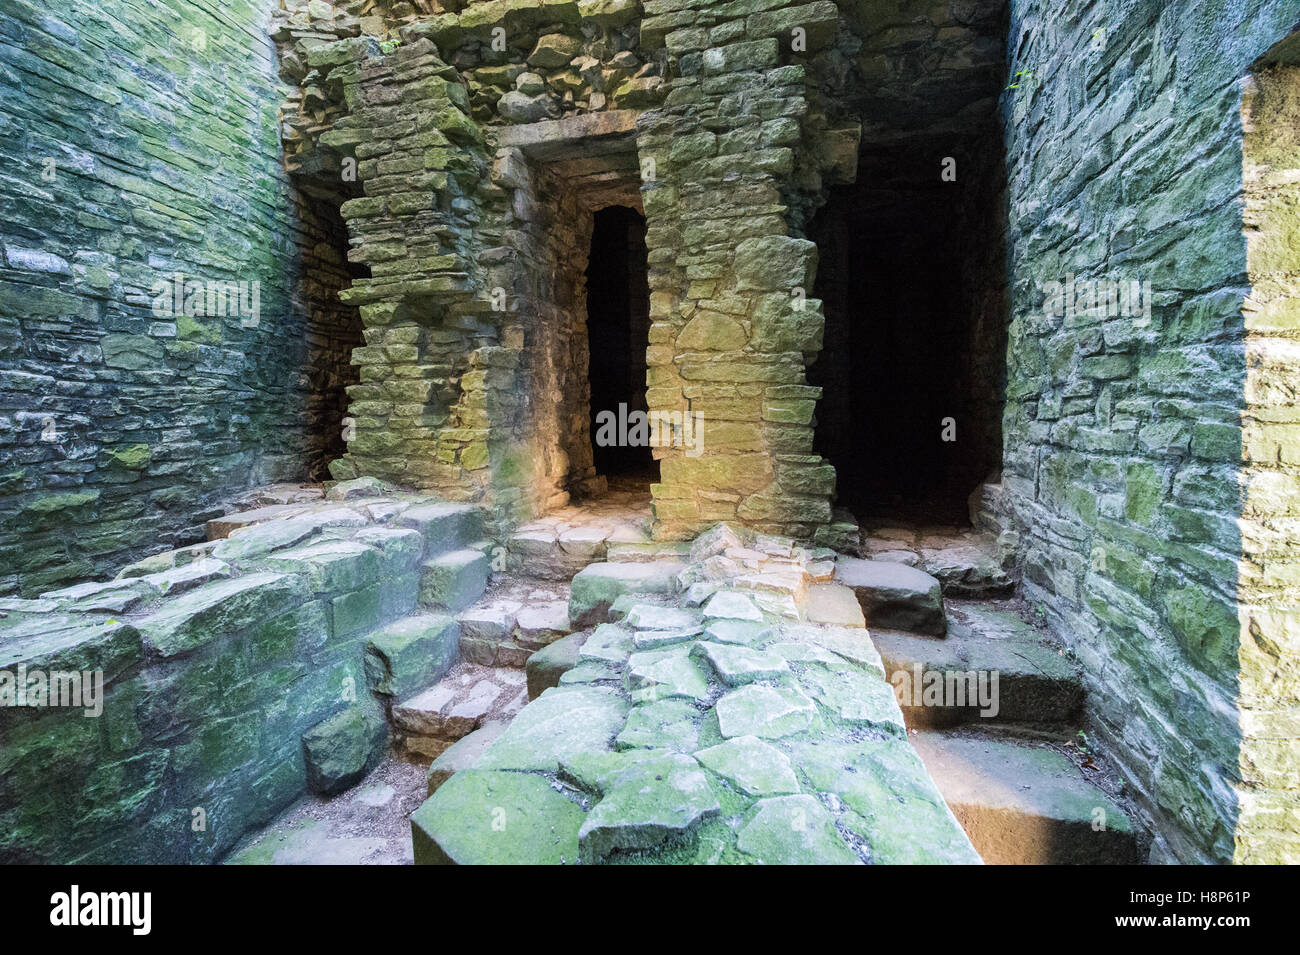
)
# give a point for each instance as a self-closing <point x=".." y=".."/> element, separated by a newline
<point x="732" y="324"/>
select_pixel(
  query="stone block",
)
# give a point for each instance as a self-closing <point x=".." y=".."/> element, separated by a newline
<point x="596" y="587"/>
<point x="340" y="750"/>
<point x="545" y="667"/>
<point x="893" y="595"/>
<point x="454" y="580"/>
<point x="446" y="527"/>
<point x="224" y="609"/>
<point x="410" y="654"/>
<point x="494" y="818"/>
<point x="463" y="754"/>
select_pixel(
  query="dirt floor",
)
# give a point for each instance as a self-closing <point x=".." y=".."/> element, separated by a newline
<point x="367" y="825"/>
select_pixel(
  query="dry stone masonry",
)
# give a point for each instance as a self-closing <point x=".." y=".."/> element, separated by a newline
<point x="481" y="166"/>
<point x="721" y="722"/>
<point x="238" y="674"/>
<point x="301" y="352"/>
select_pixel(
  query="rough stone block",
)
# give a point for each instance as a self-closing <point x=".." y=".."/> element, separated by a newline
<point x="446" y="527"/>
<point x="545" y="667"/>
<point x="597" y="586"/>
<point x="410" y="654"/>
<point x="340" y="750"/>
<point x="493" y="818"/>
<point x="454" y="580"/>
<point x="463" y="754"/>
<point x="219" y="610"/>
<point x="894" y="595"/>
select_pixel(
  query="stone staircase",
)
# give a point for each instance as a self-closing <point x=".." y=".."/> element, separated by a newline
<point x="1007" y="756"/>
<point x="561" y="544"/>
<point x="474" y="680"/>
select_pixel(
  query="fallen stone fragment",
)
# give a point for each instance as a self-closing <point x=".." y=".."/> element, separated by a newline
<point x="339" y="751"/>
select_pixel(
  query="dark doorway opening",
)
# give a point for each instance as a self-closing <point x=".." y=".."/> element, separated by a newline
<point x="912" y="278"/>
<point x="618" y="327"/>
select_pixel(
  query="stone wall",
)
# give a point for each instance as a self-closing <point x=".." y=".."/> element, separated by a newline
<point x="236" y="675"/>
<point x="727" y="161"/>
<point x="141" y="143"/>
<point x="1158" y="534"/>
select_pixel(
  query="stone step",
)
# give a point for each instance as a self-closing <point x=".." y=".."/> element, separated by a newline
<point x="446" y="527"/>
<point x="1035" y="681"/>
<point x="463" y="753"/>
<point x="595" y="589"/>
<point x="454" y="580"/>
<point x="894" y="595"/>
<point x="429" y="722"/>
<point x="545" y="667"/>
<point x="1023" y="802"/>
<point x="410" y="653"/>
<point x="553" y="548"/>
<point x="968" y="564"/>
<point x="505" y="628"/>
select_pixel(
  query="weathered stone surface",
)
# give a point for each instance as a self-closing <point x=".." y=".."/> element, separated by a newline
<point x="342" y="749"/>
<point x="453" y="581"/>
<point x="519" y="107"/>
<point x="329" y="566"/>
<point x="794" y="830"/>
<point x="664" y="724"/>
<point x="547" y="665"/>
<point x="487" y="818"/>
<point x="833" y="605"/>
<point x="738" y="665"/>
<point x="654" y="801"/>
<point x="218" y="610"/>
<point x="731" y="606"/>
<point x="664" y="674"/>
<point x="752" y="766"/>
<point x="490" y="620"/>
<point x="560" y="722"/>
<point x="596" y="588"/>
<point x="610" y="643"/>
<point x="967" y="571"/>
<point x="769" y="712"/>
<point x="1035" y="680"/>
<point x="736" y="631"/>
<point x="895" y="807"/>
<point x="262" y="539"/>
<point x="894" y="595"/>
<point x="542" y="623"/>
<point x="854" y="698"/>
<point x="1025" y="804"/>
<point x="445" y="527"/>
<point x="657" y="617"/>
<point x="463" y="754"/>
<point x="411" y="654"/>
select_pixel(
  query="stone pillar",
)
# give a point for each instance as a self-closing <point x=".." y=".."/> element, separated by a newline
<point x="732" y="326"/>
